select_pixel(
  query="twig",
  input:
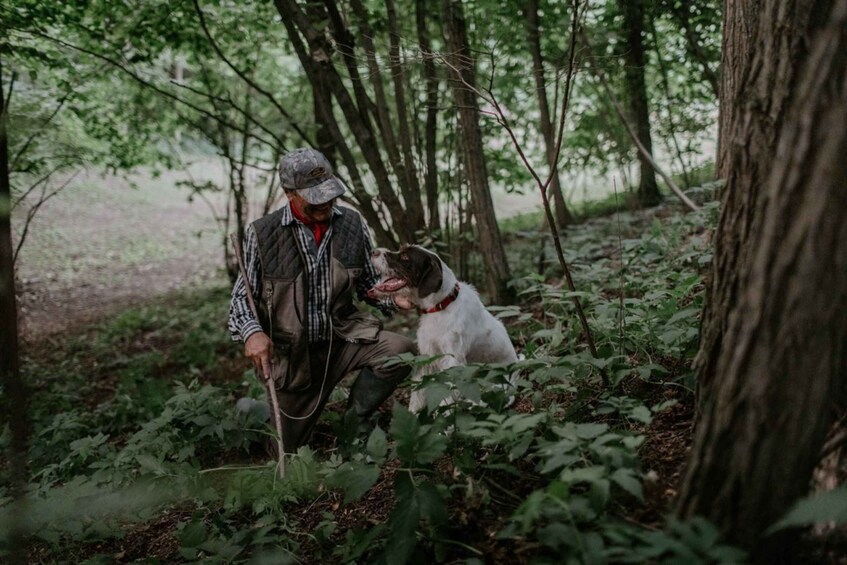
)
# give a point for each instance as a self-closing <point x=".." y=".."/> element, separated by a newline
<point x="268" y="379"/>
<point x="619" y="111"/>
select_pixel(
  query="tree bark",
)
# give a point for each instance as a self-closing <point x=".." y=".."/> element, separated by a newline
<point x="461" y="59"/>
<point x="764" y="47"/>
<point x="431" y="127"/>
<point x="783" y="362"/>
<point x="563" y="215"/>
<point x="636" y="86"/>
<point x="14" y="392"/>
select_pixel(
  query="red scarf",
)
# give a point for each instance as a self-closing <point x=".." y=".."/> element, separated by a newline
<point x="318" y="228"/>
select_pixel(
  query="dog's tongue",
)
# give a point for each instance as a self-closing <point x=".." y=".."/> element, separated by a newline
<point x="390" y="285"/>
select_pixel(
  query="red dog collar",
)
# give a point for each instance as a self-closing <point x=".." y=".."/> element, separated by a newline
<point x="443" y="304"/>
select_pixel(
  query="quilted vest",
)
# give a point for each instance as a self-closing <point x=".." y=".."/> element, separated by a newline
<point x="282" y="305"/>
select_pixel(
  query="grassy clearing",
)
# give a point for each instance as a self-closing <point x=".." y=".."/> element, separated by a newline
<point x="135" y="417"/>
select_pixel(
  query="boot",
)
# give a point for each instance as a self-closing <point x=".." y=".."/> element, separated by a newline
<point x="366" y="395"/>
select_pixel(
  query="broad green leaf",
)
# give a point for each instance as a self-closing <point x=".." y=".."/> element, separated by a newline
<point x="590" y="431"/>
<point x="830" y="506"/>
<point x="624" y="478"/>
<point x="377" y="446"/>
<point x="355" y="478"/>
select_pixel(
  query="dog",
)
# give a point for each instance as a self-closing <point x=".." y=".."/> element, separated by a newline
<point x="453" y="323"/>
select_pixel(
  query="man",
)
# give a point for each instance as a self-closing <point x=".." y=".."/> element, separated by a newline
<point x="304" y="263"/>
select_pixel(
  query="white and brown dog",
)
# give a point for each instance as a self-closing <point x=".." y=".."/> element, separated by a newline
<point x="453" y="322"/>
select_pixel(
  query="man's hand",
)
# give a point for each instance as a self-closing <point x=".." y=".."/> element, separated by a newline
<point x="259" y="348"/>
<point x="403" y="302"/>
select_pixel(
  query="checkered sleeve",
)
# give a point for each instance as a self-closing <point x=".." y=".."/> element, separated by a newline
<point x="370" y="277"/>
<point x="242" y="323"/>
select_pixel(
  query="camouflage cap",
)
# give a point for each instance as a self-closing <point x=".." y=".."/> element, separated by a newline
<point x="309" y="173"/>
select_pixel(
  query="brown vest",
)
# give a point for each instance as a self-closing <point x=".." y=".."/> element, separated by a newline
<point x="282" y="305"/>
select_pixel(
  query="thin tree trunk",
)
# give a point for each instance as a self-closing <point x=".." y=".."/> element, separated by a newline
<point x="386" y="129"/>
<point x="461" y="59"/>
<point x="414" y="209"/>
<point x="367" y="207"/>
<point x="764" y="46"/>
<point x="431" y="128"/>
<point x="14" y="391"/>
<point x="563" y="215"/>
<point x="782" y="368"/>
<point x="663" y="74"/>
<point x="318" y="61"/>
<point x="636" y="86"/>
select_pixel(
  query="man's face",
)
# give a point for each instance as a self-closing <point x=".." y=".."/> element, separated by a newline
<point x="311" y="212"/>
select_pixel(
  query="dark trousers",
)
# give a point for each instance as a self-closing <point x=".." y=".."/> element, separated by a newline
<point x="303" y="408"/>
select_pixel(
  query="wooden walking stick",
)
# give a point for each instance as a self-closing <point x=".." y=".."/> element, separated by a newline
<point x="268" y="379"/>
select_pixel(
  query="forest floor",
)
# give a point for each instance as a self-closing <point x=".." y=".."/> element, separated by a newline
<point x="138" y="382"/>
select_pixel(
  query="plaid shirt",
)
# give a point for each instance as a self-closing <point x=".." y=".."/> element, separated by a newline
<point x="242" y="323"/>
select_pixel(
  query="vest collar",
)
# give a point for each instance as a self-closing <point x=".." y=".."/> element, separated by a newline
<point x="448" y="300"/>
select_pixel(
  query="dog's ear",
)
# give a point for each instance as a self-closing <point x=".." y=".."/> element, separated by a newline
<point x="431" y="276"/>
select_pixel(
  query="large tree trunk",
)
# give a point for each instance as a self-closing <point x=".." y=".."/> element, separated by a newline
<point x="14" y="392"/>
<point x="781" y="371"/>
<point x="636" y="86"/>
<point x="763" y="49"/>
<point x="563" y="215"/>
<point x="462" y="63"/>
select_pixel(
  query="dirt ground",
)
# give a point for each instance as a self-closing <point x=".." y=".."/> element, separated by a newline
<point x="104" y="245"/>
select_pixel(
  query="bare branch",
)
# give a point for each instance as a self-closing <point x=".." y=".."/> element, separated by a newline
<point x="30" y="215"/>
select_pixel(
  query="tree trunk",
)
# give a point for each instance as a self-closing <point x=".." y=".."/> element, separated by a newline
<point x="431" y="128"/>
<point x="563" y="215"/>
<point x="636" y="86"/>
<point x="781" y="371"/>
<point x="317" y="61"/>
<point x="14" y="392"/>
<point x="462" y="63"/>
<point x="414" y="209"/>
<point x="763" y="49"/>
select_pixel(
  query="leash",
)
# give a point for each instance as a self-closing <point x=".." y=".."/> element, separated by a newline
<point x="268" y="379"/>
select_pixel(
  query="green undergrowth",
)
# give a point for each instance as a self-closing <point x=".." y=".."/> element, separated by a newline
<point x="136" y="449"/>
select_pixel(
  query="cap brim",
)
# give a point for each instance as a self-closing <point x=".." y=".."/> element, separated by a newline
<point x="324" y="192"/>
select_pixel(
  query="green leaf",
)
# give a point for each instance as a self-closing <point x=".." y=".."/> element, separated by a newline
<point x="624" y="478"/>
<point x="355" y="478"/>
<point x="435" y="393"/>
<point x="590" y="431"/>
<point x="830" y="506"/>
<point x="403" y="522"/>
<point x="193" y="534"/>
<point x="377" y="446"/>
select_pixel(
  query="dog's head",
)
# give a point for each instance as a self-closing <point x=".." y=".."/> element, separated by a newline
<point x="412" y="272"/>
